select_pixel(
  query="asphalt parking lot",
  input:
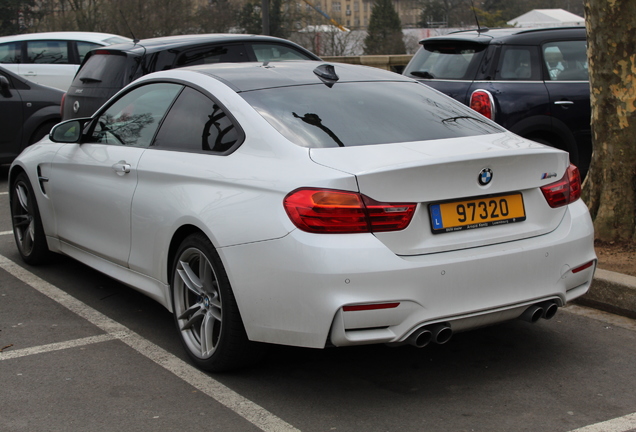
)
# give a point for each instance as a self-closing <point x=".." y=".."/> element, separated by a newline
<point x="81" y="352"/>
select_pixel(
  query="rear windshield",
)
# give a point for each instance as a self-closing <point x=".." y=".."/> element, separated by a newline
<point x="109" y="70"/>
<point x="446" y="60"/>
<point x="365" y="113"/>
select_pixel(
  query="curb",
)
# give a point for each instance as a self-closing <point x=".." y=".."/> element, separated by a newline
<point x="612" y="292"/>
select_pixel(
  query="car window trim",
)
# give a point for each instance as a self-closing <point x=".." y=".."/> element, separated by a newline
<point x="206" y="93"/>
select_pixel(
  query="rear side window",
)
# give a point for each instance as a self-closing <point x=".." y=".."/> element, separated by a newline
<point x="272" y="52"/>
<point x="196" y="123"/>
<point x="84" y="47"/>
<point x="47" y="52"/>
<point x="446" y="60"/>
<point x="365" y="113"/>
<point x="519" y="63"/>
<point x="566" y="60"/>
<point x="109" y="70"/>
<point x="213" y="54"/>
<point x="10" y="52"/>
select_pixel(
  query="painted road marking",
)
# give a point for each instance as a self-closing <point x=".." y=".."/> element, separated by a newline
<point x="244" y="407"/>
<point x="247" y="409"/>
<point x="6" y="232"/>
<point x="621" y="424"/>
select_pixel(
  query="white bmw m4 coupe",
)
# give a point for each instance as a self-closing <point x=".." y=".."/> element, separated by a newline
<point x="307" y="204"/>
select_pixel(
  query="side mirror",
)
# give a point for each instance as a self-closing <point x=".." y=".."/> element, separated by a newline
<point x="5" y="87"/>
<point x="69" y="131"/>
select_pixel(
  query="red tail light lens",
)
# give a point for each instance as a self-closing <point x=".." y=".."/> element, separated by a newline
<point x="482" y="102"/>
<point x="565" y="191"/>
<point x="332" y="211"/>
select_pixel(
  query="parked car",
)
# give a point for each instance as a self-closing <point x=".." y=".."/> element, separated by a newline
<point x="307" y="204"/>
<point x="106" y="71"/>
<point x="52" y="58"/>
<point x="29" y="111"/>
<point x="534" y="82"/>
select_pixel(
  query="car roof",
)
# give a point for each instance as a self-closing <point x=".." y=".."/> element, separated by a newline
<point x="510" y="35"/>
<point x="168" y="42"/>
<point x="256" y="75"/>
<point x="71" y="36"/>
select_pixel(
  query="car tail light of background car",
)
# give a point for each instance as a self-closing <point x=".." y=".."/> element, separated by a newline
<point x="331" y="211"/>
<point x="565" y="191"/>
<point x="483" y="102"/>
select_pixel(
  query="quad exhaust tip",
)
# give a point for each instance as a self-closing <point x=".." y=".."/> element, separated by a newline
<point x="545" y="310"/>
<point x="437" y="333"/>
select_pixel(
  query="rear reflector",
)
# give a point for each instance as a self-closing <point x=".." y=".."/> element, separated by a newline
<point x="331" y="211"/>
<point x="583" y="267"/>
<point x="375" y="306"/>
<point x="565" y="191"/>
<point x="483" y="102"/>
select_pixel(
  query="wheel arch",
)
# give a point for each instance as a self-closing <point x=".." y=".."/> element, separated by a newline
<point x="177" y="238"/>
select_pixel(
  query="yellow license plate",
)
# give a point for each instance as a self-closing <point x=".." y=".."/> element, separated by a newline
<point x="476" y="213"/>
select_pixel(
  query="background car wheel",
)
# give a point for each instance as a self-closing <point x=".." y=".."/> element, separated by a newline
<point x="27" y="225"/>
<point x="205" y="309"/>
<point x="41" y="132"/>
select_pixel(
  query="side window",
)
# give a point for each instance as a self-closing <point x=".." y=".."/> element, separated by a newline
<point x="196" y="123"/>
<point x="10" y="52"/>
<point x="273" y="52"/>
<point x="213" y="54"/>
<point x="47" y="52"/>
<point x="566" y="60"/>
<point x="519" y="63"/>
<point x="84" y="47"/>
<point x="133" y="119"/>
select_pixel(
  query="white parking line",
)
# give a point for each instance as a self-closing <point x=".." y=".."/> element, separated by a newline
<point x="247" y="409"/>
<point x="621" y="424"/>
<point x="8" y="355"/>
<point x="4" y="193"/>
<point x="6" y="232"/>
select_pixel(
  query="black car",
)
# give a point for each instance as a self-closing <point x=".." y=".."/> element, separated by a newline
<point x="534" y="82"/>
<point x="29" y="111"/>
<point x="107" y="70"/>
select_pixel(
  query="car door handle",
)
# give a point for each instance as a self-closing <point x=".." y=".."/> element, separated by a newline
<point x="564" y="102"/>
<point x="30" y="73"/>
<point x="121" y="167"/>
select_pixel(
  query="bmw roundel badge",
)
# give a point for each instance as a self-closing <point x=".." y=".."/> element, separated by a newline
<point x="485" y="176"/>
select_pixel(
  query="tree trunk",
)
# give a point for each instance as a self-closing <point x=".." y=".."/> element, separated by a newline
<point x="610" y="189"/>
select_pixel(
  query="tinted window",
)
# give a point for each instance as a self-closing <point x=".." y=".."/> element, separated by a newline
<point x="273" y="52"/>
<point x="196" y="123"/>
<point x="84" y="47"/>
<point x="213" y="54"/>
<point x="519" y="63"/>
<point x="47" y="52"/>
<point x="107" y="69"/>
<point x="133" y="119"/>
<point x="566" y="60"/>
<point x="352" y="114"/>
<point x="10" y="52"/>
<point x="446" y="60"/>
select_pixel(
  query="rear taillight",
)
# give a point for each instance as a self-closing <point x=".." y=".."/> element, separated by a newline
<point x="565" y="191"/>
<point x="483" y="102"/>
<point x="62" y="105"/>
<point x="331" y="211"/>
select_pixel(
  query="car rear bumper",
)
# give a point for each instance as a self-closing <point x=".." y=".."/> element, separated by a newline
<point x="292" y="290"/>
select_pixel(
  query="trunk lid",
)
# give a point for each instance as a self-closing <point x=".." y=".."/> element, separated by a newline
<point x="448" y="170"/>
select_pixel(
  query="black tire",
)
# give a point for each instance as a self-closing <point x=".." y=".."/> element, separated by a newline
<point x="205" y="310"/>
<point x="27" y="224"/>
<point x="41" y="131"/>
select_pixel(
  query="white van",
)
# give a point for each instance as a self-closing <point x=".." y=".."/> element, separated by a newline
<point x="51" y="59"/>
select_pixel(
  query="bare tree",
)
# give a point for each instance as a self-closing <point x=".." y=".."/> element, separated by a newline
<point x="611" y="184"/>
